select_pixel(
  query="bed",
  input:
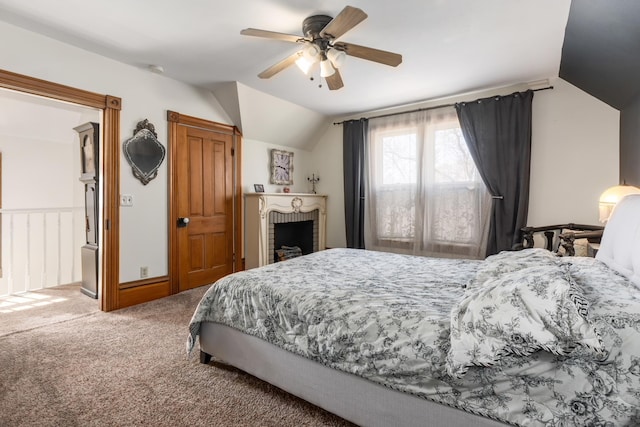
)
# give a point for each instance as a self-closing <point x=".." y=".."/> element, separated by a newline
<point x="521" y="338"/>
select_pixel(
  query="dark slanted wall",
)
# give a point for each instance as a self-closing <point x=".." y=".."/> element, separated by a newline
<point x="630" y="143"/>
<point x="601" y="55"/>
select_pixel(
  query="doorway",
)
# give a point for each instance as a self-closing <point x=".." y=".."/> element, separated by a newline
<point x="43" y="219"/>
<point x="108" y="292"/>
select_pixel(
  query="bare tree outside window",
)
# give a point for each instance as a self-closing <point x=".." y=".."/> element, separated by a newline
<point x="453" y="162"/>
<point x="399" y="159"/>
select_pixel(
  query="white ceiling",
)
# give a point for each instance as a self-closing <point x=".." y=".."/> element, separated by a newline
<point x="448" y="46"/>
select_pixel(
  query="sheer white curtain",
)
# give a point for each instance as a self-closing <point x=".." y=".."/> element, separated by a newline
<point x="424" y="193"/>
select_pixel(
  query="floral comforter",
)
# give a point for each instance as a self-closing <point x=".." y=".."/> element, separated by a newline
<point x="386" y="317"/>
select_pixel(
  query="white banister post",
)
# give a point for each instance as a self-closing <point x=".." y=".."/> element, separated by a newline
<point x="73" y="246"/>
<point x="11" y="249"/>
<point x="59" y="280"/>
<point x="27" y="267"/>
<point x="43" y="283"/>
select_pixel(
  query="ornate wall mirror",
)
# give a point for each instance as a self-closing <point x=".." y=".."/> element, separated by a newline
<point x="144" y="152"/>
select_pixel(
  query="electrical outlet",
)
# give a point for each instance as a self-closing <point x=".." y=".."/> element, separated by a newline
<point x="126" y="200"/>
<point x="144" y="272"/>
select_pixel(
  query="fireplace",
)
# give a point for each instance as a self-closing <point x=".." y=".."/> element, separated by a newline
<point x="281" y="219"/>
<point x="293" y="229"/>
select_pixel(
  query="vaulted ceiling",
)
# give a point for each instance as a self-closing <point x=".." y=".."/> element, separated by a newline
<point x="448" y="47"/>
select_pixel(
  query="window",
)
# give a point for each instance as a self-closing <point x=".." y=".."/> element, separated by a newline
<point x="399" y="159"/>
<point x="425" y="193"/>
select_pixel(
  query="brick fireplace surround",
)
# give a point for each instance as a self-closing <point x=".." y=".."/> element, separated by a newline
<point x="289" y="207"/>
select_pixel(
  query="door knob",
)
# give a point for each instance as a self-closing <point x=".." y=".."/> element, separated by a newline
<point x="182" y="222"/>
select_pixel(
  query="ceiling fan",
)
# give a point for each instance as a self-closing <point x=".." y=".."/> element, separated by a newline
<point x="319" y="45"/>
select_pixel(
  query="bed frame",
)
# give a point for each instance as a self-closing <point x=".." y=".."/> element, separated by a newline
<point x="351" y="397"/>
<point x="559" y="235"/>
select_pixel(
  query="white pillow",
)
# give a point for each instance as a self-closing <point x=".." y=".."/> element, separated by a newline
<point x="620" y="243"/>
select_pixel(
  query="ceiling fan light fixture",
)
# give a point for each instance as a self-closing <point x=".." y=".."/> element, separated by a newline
<point x="307" y="56"/>
<point x="337" y="57"/>
<point x="304" y="64"/>
<point x="311" y="52"/>
<point x="318" y="45"/>
<point x="326" y="69"/>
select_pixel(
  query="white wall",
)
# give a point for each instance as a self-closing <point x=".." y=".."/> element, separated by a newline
<point x="38" y="174"/>
<point x="144" y="235"/>
<point x="575" y="156"/>
<point x="256" y="161"/>
<point x="327" y="159"/>
<point x="267" y="118"/>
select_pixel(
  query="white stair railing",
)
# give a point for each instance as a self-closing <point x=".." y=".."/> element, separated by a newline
<point x="40" y="243"/>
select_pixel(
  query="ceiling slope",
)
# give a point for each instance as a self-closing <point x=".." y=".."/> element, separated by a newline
<point x="601" y="51"/>
<point x="266" y="118"/>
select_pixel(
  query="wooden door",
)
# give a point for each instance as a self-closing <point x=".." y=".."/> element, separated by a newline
<point x="205" y="214"/>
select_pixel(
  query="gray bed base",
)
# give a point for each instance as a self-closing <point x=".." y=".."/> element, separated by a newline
<point x="351" y="397"/>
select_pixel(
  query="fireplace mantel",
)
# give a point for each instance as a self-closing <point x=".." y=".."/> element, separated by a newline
<point x="257" y="209"/>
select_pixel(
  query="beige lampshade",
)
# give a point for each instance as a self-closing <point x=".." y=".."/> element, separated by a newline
<point x="611" y="197"/>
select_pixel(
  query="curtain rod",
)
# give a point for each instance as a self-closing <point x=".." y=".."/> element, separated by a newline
<point x="427" y="108"/>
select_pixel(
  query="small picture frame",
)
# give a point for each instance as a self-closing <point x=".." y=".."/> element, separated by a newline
<point x="259" y="188"/>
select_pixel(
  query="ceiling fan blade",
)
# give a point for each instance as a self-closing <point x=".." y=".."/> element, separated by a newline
<point x="276" y="68"/>
<point x="370" y="54"/>
<point x="334" y="81"/>
<point x="271" y="35"/>
<point x="348" y="18"/>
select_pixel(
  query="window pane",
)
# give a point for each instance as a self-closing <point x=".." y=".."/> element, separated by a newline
<point x="395" y="213"/>
<point x="454" y="215"/>
<point x="399" y="158"/>
<point x="452" y="160"/>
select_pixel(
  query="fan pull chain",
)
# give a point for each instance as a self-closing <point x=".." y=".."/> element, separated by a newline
<point x="319" y="85"/>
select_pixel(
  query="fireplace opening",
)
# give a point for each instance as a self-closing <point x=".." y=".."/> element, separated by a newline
<point x="299" y="233"/>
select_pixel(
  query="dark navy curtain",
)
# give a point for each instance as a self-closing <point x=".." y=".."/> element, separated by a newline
<point x="354" y="158"/>
<point x="498" y="133"/>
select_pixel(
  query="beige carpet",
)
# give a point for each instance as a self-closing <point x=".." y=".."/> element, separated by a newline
<point x="67" y="364"/>
<point x="31" y="310"/>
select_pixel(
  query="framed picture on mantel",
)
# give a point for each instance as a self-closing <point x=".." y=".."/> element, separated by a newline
<point x="259" y="188"/>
